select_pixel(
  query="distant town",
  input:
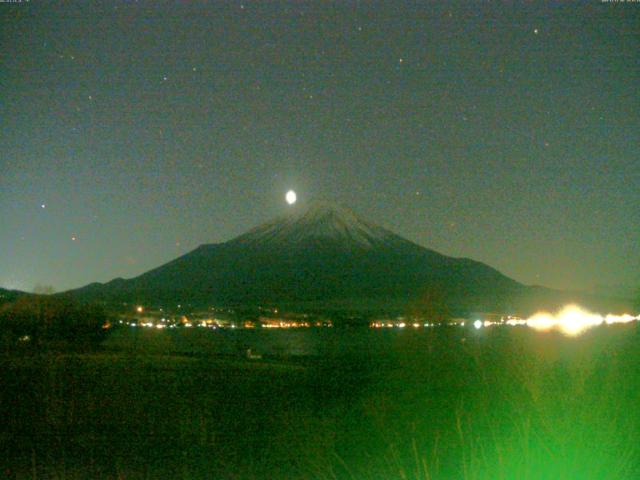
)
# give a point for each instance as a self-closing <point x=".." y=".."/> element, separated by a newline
<point x="272" y="317"/>
<point x="571" y="320"/>
<point x="219" y="318"/>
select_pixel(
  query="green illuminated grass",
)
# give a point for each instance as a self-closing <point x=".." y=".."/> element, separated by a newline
<point x="446" y="404"/>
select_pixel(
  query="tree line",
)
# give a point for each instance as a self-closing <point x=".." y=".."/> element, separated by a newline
<point x="41" y="320"/>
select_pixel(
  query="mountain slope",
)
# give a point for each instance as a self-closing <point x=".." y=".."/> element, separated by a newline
<point x="11" y="295"/>
<point x="322" y="254"/>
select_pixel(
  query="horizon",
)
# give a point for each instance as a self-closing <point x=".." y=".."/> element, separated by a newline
<point x="302" y="207"/>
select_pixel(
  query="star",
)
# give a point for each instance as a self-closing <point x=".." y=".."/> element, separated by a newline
<point x="43" y="206"/>
<point x="536" y="31"/>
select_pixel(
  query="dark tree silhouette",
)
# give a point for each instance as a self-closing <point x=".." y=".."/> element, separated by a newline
<point x="39" y="320"/>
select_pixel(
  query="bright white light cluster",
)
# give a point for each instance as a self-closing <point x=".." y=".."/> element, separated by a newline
<point x="571" y="320"/>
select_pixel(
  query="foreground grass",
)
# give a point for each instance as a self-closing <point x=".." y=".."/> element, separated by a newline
<point x="502" y="404"/>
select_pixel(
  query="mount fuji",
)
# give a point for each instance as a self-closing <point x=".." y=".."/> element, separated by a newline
<point x="321" y="255"/>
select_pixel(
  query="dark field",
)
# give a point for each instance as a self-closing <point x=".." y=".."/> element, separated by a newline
<point x="446" y="403"/>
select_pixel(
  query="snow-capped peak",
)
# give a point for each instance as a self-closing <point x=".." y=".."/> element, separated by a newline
<point x="321" y="220"/>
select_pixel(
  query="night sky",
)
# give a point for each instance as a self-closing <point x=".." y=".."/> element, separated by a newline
<point x="132" y="132"/>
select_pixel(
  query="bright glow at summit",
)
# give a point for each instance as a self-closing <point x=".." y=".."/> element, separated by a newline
<point x="291" y="197"/>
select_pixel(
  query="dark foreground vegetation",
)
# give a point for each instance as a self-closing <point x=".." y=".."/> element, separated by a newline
<point x="441" y="404"/>
<point x="41" y="322"/>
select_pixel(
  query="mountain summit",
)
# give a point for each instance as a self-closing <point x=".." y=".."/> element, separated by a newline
<point x="322" y="221"/>
<point x="320" y="255"/>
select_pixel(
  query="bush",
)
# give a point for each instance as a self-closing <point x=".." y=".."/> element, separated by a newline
<point x="42" y="320"/>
